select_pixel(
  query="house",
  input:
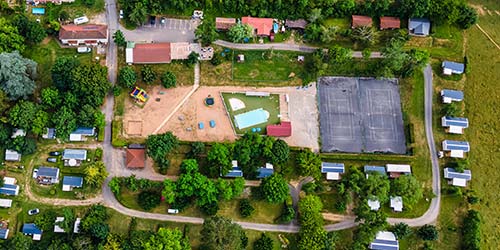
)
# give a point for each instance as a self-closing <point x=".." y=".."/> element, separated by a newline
<point x="397" y="203"/>
<point x="88" y="34"/>
<point x="284" y="129"/>
<point x="4" y="233"/>
<point x="223" y="23"/>
<point x="76" y="227"/>
<point x="299" y="24"/>
<point x="452" y="68"/>
<point x="419" y="26"/>
<point x="6" y="203"/>
<point x="372" y="169"/>
<point x="395" y="170"/>
<point x="135" y="158"/>
<point x="9" y="186"/>
<point x="18" y="132"/>
<point x="265" y="171"/>
<point x="47" y="175"/>
<point x="33" y="230"/>
<point x="361" y="21"/>
<point x="384" y="241"/>
<point x="449" y="95"/>
<point x="457" y="178"/>
<point x="80" y="133"/>
<point x="374" y="204"/>
<point x="388" y="22"/>
<point x="70" y="182"/>
<point x="74" y="157"/>
<point x="58" y="229"/>
<point x="456" y="149"/>
<point x="333" y="170"/>
<point x="235" y="170"/>
<point x="454" y="125"/>
<point x="11" y="155"/>
<point x="50" y="133"/>
<point x="262" y="26"/>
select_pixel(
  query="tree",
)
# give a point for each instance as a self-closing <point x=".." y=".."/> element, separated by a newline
<point x="148" y="199"/>
<point x="50" y="98"/>
<point x="63" y="16"/>
<point x="263" y="243"/>
<point x="10" y="39"/>
<point x="148" y="74"/>
<point x="287" y="214"/>
<point x="224" y="189"/>
<point x="246" y="208"/>
<point x="328" y="33"/>
<point x="206" y="32"/>
<point x="99" y="231"/>
<point x="401" y="230"/>
<point x="45" y="220"/>
<point x="471" y="231"/>
<point x="62" y="68"/>
<point x="16" y="74"/>
<point x="339" y="55"/>
<point x="221" y="233"/>
<point x="22" y="115"/>
<point x="167" y="239"/>
<point x="364" y="34"/>
<point x="275" y="188"/>
<point x="127" y="77"/>
<point x="376" y="186"/>
<point x="115" y="185"/>
<point x="452" y="110"/>
<point x="428" y="232"/>
<point x="168" y="79"/>
<point x="312" y="235"/>
<point x="192" y="59"/>
<point x="158" y="146"/>
<point x="468" y="16"/>
<point x="239" y="32"/>
<point x="95" y="215"/>
<point x="197" y="148"/>
<point x="119" y="38"/>
<point x="281" y="152"/>
<point x="113" y="242"/>
<point x="169" y="191"/>
<point x="35" y="33"/>
<point x="24" y="145"/>
<point x="313" y="32"/>
<point x="309" y="164"/>
<point x="315" y="16"/>
<point x="219" y="160"/>
<point x="413" y="8"/>
<point x="238" y="186"/>
<point x="95" y="174"/>
<point x="69" y="220"/>
<point x="366" y="53"/>
<point x="408" y="187"/>
<point x="138" y="13"/>
<point x="19" y="241"/>
<point x="65" y="122"/>
<point x="89" y="83"/>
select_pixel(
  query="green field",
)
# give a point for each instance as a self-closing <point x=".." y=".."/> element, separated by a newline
<point x="270" y="104"/>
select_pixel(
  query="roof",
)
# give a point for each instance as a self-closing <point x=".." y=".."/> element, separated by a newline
<point x="283" y="129"/>
<point x="58" y="229"/>
<point x="385" y="241"/>
<point x="31" y="228"/>
<point x="76" y="228"/>
<point x="379" y="169"/>
<point x="447" y="121"/>
<point x="330" y="167"/>
<point x="11" y="155"/>
<point x="453" y="94"/>
<point x="5" y="203"/>
<point x="457" y="67"/>
<point x="136" y="158"/>
<point x="262" y="25"/>
<point x="48" y="172"/>
<point x="224" y="23"/>
<point x="234" y="172"/>
<point x="77" y="154"/>
<point x="87" y="31"/>
<point x="9" y="189"/>
<point x="74" y="181"/>
<point x="451" y="173"/>
<point x="9" y="180"/>
<point x="359" y="21"/>
<point x="50" y="133"/>
<point x="397" y="203"/>
<point x="264" y="172"/>
<point x="449" y="145"/>
<point x="18" y="132"/>
<point x="419" y="26"/>
<point x="400" y="168"/>
<point x="151" y="53"/>
<point x="4" y="233"/>
<point x="388" y="22"/>
<point x="374" y="204"/>
<point x="87" y="131"/>
<point x="296" y="24"/>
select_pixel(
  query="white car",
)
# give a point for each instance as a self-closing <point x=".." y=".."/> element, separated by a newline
<point x="81" y="20"/>
<point x="83" y="49"/>
<point x="121" y="14"/>
<point x="35" y="173"/>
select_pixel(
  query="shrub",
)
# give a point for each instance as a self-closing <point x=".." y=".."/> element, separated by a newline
<point x="148" y="199"/>
<point x="148" y="74"/>
<point x="246" y="209"/>
<point x="127" y="77"/>
<point x="168" y="80"/>
<point x="210" y="209"/>
<point x="428" y="232"/>
<point x="216" y="60"/>
<point x="287" y="214"/>
<point x="401" y="230"/>
<point x="471" y="231"/>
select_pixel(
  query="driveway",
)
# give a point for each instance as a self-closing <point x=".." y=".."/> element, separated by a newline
<point x="173" y="30"/>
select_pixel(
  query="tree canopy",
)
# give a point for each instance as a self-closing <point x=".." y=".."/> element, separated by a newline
<point x="206" y="32"/>
<point x="17" y="74"/>
<point x="167" y="239"/>
<point x="127" y="77"/>
<point x="10" y="39"/>
<point x="221" y="233"/>
<point x="312" y="235"/>
<point x="95" y="174"/>
<point x="239" y="32"/>
<point x="309" y="164"/>
<point x="408" y="187"/>
<point x="275" y="188"/>
<point x="219" y="160"/>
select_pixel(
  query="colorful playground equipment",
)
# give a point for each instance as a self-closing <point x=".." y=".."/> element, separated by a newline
<point x="209" y="101"/>
<point x="139" y="94"/>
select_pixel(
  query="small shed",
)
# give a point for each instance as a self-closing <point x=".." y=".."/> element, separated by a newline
<point x="284" y="129"/>
<point x="388" y="22"/>
<point x="235" y="170"/>
<point x="456" y="149"/>
<point x="11" y="155"/>
<point x="456" y="178"/>
<point x="17" y="133"/>
<point x="6" y="203"/>
<point x="50" y="133"/>
<point x="419" y="26"/>
<point x="449" y="95"/>
<point x="397" y="203"/>
<point x="81" y="133"/>
<point x="333" y="170"/>
<point x="452" y="68"/>
<point x="32" y="230"/>
<point x="224" y="23"/>
<point x="395" y="170"/>
<point x="76" y="227"/>
<point x="57" y="228"/>
<point x="70" y="182"/>
<point x="454" y="125"/>
<point x="4" y="233"/>
<point x="361" y="21"/>
<point x="384" y="241"/>
<point x="265" y="171"/>
<point x="135" y="158"/>
<point x="374" y="204"/>
<point x="299" y="24"/>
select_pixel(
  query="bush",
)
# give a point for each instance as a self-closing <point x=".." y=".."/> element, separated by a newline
<point x="168" y="80"/>
<point x="287" y="214"/>
<point x="471" y="231"/>
<point x="401" y="230"/>
<point x="216" y="60"/>
<point x="428" y="232"/>
<point x="127" y="77"/>
<point x="210" y="209"/>
<point x="148" y="74"/>
<point x="148" y="199"/>
<point x="309" y="187"/>
<point x="246" y="209"/>
<point x="116" y="91"/>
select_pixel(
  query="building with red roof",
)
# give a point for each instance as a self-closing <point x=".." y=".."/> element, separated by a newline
<point x="148" y="53"/>
<point x="262" y="26"/>
<point x="388" y="22"/>
<point x="223" y="23"/>
<point x="360" y="21"/>
<point x="89" y="34"/>
<point x="284" y="129"/>
<point x="136" y="158"/>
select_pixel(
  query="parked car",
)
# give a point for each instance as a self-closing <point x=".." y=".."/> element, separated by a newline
<point x="81" y="20"/>
<point x="121" y="14"/>
<point x="34" y="211"/>
<point x="52" y="159"/>
<point x="83" y="49"/>
<point x="152" y="20"/>
<point x="55" y="153"/>
<point x="163" y="20"/>
<point x="35" y="172"/>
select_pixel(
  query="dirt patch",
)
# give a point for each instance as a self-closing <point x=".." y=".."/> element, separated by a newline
<point x="134" y="128"/>
<point x="99" y="18"/>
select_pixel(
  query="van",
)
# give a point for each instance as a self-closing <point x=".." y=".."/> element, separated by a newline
<point x="83" y="49"/>
<point x="173" y="211"/>
<point x="81" y="20"/>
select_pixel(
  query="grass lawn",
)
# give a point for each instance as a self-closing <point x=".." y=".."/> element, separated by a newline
<point x="270" y="104"/>
<point x="183" y="73"/>
<point x="266" y="66"/>
<point x="445" y="42"/>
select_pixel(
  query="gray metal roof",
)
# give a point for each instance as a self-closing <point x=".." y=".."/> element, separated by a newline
<point x="456" y="145"/>
<point x="330" y="167"/>
<point x="451" y="173"/>
<point x="74" y="181"/>
<point x="458" y="67"/>
<point x="48" y="172"/>
<point x="419" y="26"/>
<point x="455" y="121"/>
<point x="454" y="94"/>
<point x="77" y="154"/>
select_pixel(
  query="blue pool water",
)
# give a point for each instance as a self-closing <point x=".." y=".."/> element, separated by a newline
<point x="251" y="118"/>
<point x="38" y="11"/>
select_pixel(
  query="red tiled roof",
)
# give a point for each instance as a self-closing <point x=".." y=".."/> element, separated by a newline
<point x="222" y="23"/>
<point x="280" y="130"/>
<point x="388" y="22"/>
<point x="262" y="25"/>
<point x="88" y="31"/>
<point x="135" y="158"/>
<point x="152" y="53"/>
<point x="358" y="21"/>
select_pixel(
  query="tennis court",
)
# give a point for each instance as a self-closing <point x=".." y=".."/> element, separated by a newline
<point x="251" y="118"/>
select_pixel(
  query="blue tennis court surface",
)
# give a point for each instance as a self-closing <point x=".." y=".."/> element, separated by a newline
<point x="251" y="118"/>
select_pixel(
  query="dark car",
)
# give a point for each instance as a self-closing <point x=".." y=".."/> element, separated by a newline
<point x="52" y="159"/>
<point x="55" y="153"/>
<point x="152" y="20"/>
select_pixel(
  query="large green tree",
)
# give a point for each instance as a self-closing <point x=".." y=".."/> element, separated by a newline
<point x="119" y="38"/>
<point x="64" y="121"/>
<point x="10" y="39"/>
<point x="158" y="146"/>
<point x="22" y="115"/>
<point x="376" y="186"/>
<point x="168" y="79"/>
<point x="221" y="233"/>
<point x="89" y="83"/>
<point x="263" y="243"/>
<point x="309" y="164"/>
<point x="428" y="232"/>
<point x="408" y="187"/>
<point x="17" y="74"/>
<point x="281" y="152"/>
<point x="239" y="32"/>
<point x="50" y="98"/>
<point x="275" y="188"/>
<point x="167" y="239"/>
<point x="61" y="71"/>
<point x="95" y="174"/>
<point x="206" y="32"/>
<point x="312" y="235"/>
<point x="219" y="160"/>
<point x="127" y="77"/>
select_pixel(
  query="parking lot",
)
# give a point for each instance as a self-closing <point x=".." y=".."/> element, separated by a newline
<point x="171" y="30"/>
<point x="173" y="24"/>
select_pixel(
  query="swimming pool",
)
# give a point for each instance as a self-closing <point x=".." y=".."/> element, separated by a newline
<point x="251" y="118"/>
<point x="38" y="11"/>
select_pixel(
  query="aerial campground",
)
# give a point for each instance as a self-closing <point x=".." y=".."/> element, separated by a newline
<point x="256" y="125"/>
